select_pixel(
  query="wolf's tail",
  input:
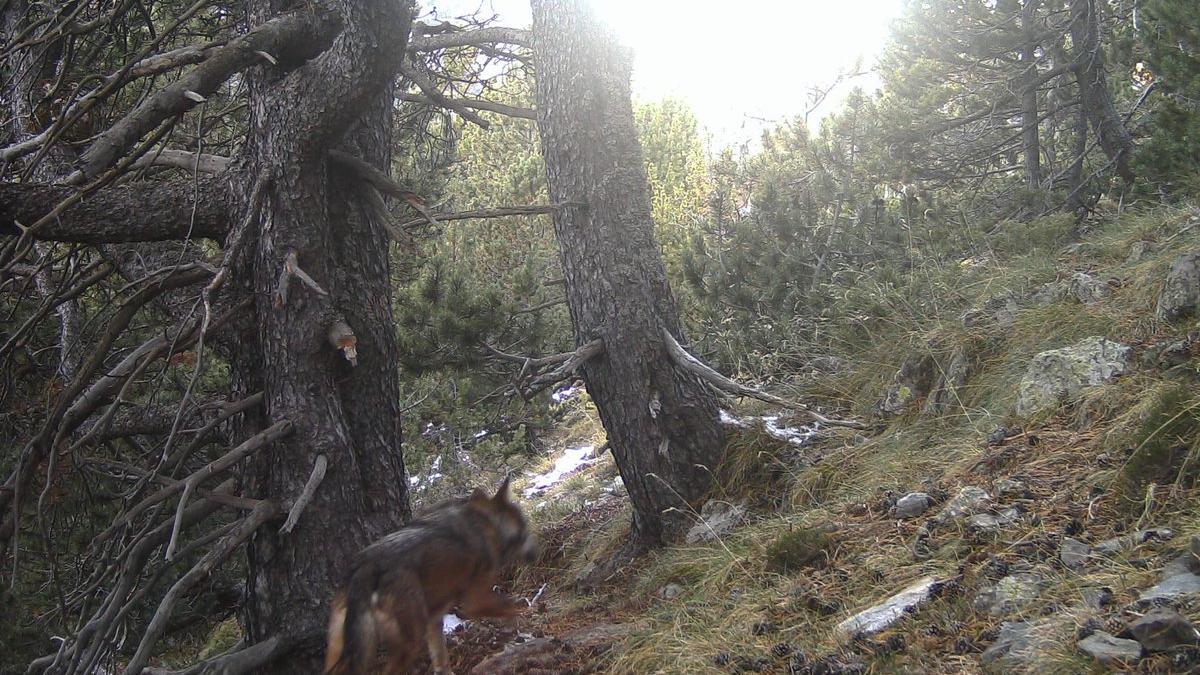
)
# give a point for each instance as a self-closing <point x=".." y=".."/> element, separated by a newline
<point x="352" y="635"/>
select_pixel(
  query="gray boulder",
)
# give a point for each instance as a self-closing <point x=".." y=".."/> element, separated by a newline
<point x="1181" y="292"/>
<point x="1059" y="373"/>
<point x="1000" y="311"/>
<point x="1024" y="644"/>
<point x="1162" y="630"/>
<point x="1110" y="650"/>
<point x="1050" y="293"/>
<point x="1128" y="542"/>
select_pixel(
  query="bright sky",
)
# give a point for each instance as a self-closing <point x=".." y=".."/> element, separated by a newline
<point x="739" y="65"/>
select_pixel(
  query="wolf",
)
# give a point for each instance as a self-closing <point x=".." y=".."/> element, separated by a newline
<point x="399" y="587"/>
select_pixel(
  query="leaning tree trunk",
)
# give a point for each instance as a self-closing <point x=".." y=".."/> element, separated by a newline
<point x="345" y="414"/>
<point x="1031" y="147"/>
<point x="1094" y="96"/>
<point x="662" y="424"/>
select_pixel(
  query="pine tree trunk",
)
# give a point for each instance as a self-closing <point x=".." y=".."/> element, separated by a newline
<point x="347" y="413"/>
<point x="1111" y="132"/>
<point x="662" y="424"/>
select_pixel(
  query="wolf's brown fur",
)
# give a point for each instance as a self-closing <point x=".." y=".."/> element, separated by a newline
<point x="399" y="587"/>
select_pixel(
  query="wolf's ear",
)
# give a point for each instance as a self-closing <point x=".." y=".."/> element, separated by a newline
<point x="478" y="495"/>
<point x="502" y="493"/>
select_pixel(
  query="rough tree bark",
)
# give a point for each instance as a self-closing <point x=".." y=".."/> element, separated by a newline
<point x="662" y="423"/>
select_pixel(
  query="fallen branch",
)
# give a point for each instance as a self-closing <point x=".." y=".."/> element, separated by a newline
<point x="695" y="366"/>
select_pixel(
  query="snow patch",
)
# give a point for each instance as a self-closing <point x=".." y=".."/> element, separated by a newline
<point x="451" y="622"/>
<point x="730" y="421"/>
<point x="571" y="459"/>
<point x="793" y="435"/>
<point x="566" y="394"/>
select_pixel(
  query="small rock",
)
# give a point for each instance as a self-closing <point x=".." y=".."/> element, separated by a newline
<point x="829" y="364"/>
<point x="877" y="618"/>
<point x="764" y="628"/>
<point x="716" y="519"/>
<point x="1010" y="594"/>
<point x="912" y="505"/>
<point x="1011" y="488"/>
<point x="1110" y="650"/>
<point x="1194" y="553"/>
<point x="1021" y="643"/>
<point x="1170" y="590"/>
<point x="670" y="591"/>
<point x="969" y="501"/>
<point x="1050" y="293"/>
<point x="1096" y="598"/>
<point x="1138" y="250"/>
<point x="986" y="523"/>
<point x="996" y="438"/>
<point x="1073" y="553"/>
<point x="1180" y="295"/>
<point x="1132" y="540"/>
<point x="1161" y="630"/>
<point x="1088" y="289"/>
<point x="1169" y="353"/>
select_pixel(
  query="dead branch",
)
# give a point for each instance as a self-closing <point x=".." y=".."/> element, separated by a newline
<point x="414" y="74"/>
<point x="248" y="447"/>
<point x="422" y="41"/>
<point x="140" y="211"/>
<point x="291" y="268"/>
<point x="265" y="512"/>
<point x="497" y="212"/>
<point x="476" y="104"/>
<point x="272" y="37"/>
<point x="571" y="364"/>
<point x="306" y="494"/>
<point x="698" y="368"/>
<point x="182" y="159"/>
<point x="383" y="183"/>
<point x="90" y="643"/>
<point x="240" y="659"/>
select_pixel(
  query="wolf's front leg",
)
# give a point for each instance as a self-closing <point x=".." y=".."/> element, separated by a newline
<point x="437" y="648"/>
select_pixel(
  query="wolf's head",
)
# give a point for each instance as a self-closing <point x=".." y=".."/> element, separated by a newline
<point x="517" y="543"/>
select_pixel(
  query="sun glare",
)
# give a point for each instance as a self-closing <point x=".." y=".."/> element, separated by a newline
<point x="738" y="65"/>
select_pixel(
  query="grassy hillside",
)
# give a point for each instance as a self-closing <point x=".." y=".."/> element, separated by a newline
<point x="821" y="540"/>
